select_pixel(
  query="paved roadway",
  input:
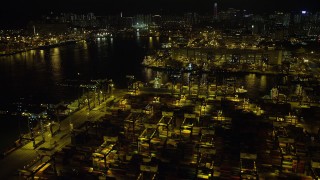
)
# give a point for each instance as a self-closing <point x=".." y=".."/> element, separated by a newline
<point x="27" y="157"/>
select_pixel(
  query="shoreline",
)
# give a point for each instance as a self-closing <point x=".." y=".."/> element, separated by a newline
<point x="226" y="71"/>
<point x="42" y="47"/>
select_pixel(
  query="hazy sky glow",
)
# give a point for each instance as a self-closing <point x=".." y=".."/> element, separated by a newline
<point x="13" y="11"/>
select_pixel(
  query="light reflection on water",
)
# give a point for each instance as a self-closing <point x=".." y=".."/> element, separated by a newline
<point x="257" y="85"/>
<point x="148" y="75"/>
<point x="56" y="64"/>
<point x="37" y="72"/>
<point x="150" y="42"/>
<point x="263" y="82"/>
<point x="250" y="81"/>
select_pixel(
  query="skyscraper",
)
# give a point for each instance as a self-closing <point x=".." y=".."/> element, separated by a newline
<point x="215" y="11"/>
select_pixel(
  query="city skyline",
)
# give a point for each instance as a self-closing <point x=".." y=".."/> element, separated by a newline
<point x="15" y="13"/>
<point x="180" y="89"/>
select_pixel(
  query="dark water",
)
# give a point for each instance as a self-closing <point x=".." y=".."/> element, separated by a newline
<point x="35" y="74"/>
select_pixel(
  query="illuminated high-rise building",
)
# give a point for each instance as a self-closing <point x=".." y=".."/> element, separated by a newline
<point x="215" y="11"/>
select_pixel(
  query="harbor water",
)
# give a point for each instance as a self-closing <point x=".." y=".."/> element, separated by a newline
<point x="35" y="74"/>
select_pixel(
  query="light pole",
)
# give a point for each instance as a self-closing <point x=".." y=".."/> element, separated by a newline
<point x="88" y="98"/>
<point x="31" y="132"/>
<point x="70" y="123"/>
<point x="78" y="75"/>
<point x="94" y="96"/>
<point x="110" y="89"/>
<point x="189" y="83"/>
<point x="42" y="129"/>
<point x="130" y="82"/>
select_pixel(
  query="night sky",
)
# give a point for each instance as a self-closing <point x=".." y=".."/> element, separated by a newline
<point x="15" y="12"/>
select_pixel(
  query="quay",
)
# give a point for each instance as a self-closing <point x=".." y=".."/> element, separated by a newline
<point x="142" y="133"/>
